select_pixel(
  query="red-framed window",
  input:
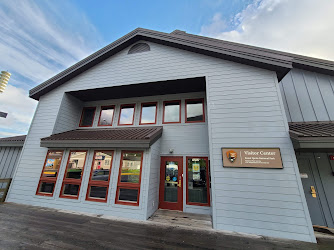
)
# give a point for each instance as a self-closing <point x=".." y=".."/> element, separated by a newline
<point x="171" y="112"/>
<point x="195" y="110"/>
<point x="73" y="174"/>
<point x="106" y="115"/>
<point x="87" y="117"/>
<point x="48" y="179"/>
<point x="129" y="178"/>
<point x="99" y="178"/>
<point x="198" y="181"/>
<point x="148" y="113"/>
<point x="126" y="114"/>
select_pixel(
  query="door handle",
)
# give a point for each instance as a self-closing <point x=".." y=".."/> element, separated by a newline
<point x="179" y="184"/>
<point x="313" y="192"/>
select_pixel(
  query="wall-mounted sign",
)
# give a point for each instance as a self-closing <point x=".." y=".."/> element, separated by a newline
<point x="252" y="157"/>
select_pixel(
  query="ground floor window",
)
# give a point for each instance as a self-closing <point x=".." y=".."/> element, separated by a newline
<point x="73" y="174"/>
<point x="129" y="178"/>
<point x="49" y="173"/>
<point x="198" y="184"/>
<point x="99" y="176"/>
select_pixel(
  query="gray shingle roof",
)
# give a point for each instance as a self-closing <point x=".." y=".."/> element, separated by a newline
<point x="304" y="130"/>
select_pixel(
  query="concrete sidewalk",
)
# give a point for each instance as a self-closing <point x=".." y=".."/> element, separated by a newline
<point x="27" y="227"/>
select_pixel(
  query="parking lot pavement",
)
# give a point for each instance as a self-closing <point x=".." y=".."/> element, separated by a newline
<point x="27" y="227"/>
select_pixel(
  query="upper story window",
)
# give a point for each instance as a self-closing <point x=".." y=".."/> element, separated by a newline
<point x="195" y="110"/>
<point x="106" y="116"/>
<point x="87" y="117"/>
<point x="73" y="174"/>
<point x="49" y="174"/>
<point x="126" y="114"/>
<point x="172" y="112"/>
<point x="148" y="113"/>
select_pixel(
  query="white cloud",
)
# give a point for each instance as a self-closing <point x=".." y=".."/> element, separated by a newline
<point x="20" y="109"/>
<point x="38" y="40"/>
<point x="302" y="27"/>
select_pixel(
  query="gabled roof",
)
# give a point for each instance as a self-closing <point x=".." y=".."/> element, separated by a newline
<point x="14" y="141"/>
<point x="135" y="137"/>
<point x="280" y="62"/>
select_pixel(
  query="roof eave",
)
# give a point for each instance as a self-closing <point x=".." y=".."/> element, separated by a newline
<point x="281" y="65"/>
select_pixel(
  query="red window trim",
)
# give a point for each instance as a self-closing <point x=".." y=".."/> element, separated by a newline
<point x="82" y="112"/>
<point x="70" y="180"/>
<point x="199" y="99"/>
<point x="48" y="179"/>
<point x="163" y="113"/>
<point x="141" y="111"/>
<point x="120" y="111"/>
<point x="128" y="185"/>
<point x="112" y="119"/>
<point x="99" y="183"/>
<point x="207" y="181"/>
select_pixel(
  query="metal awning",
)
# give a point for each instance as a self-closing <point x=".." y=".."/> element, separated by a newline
<point x="142" y="137"/>
<point x="312" y="134"/>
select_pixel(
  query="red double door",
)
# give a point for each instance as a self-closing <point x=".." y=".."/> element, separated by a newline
<point x="171" y="183"/>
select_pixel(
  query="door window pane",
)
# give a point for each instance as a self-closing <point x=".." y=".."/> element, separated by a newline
<point x="106" y="116"/>
<point x="87" y="117"/>
<point x="126" y="114"/>
<point x="76" y="164"/>
<point x="197" y="180"/>
<point x="97" y="192"/>
<point x="71" y="189"/>
<point x="171" y="181"/>
<point x="194" y="111"/>
<point x="131" y="165"/>
<point x="101" y="165"/>
<point x="172" y="111"/>
<point x="46" y="187"/>
<point x="148" y="113"/>
<point x="125" y="194"/>
<point x="52" y="164"/>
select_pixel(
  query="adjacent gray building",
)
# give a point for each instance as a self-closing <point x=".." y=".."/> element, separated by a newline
<point x="141" y="125"/>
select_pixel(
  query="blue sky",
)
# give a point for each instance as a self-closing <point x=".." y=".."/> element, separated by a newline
<point x="41" y="38"/>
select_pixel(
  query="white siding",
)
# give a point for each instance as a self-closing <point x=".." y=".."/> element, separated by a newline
<point x="246" y="200"/>
<point x="154" y="179"/>
<point x="261" y="124"/>
<point x="308" y="96"/>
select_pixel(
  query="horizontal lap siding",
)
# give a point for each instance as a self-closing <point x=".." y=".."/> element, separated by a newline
<point x="261" y="201"/>
<point x="227" y="113"/>
<point x="308" y="96"/>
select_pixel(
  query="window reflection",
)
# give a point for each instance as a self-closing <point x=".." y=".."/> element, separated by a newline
<point x="148" y="113"/>
<point x="131" y="167"/>
<point x="52" y="164"/>
<point x="101" y="166"/>
<point x="106" y="117"/>
<point x="126" y="114"/>
<point x="76" y="164"/>
<point x="197" y="180"/>
<point x="172" y="111"/>
<point x="194" y="110"/>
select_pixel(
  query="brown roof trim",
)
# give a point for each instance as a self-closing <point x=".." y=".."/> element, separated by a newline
<point x="14" y="141"/>
<point x="115" y="137"/>
<point x="307" y="131"/>
<point x="242" y="54"/>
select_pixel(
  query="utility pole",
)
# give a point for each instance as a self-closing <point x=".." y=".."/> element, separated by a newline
<point x="4" y="78"/>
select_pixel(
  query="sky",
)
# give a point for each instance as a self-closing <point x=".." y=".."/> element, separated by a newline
<point x="40" y="38"/>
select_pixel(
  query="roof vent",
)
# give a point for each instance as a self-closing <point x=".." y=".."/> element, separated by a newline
<point x="180" y="32"/>
<point x="138" y="48"/>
